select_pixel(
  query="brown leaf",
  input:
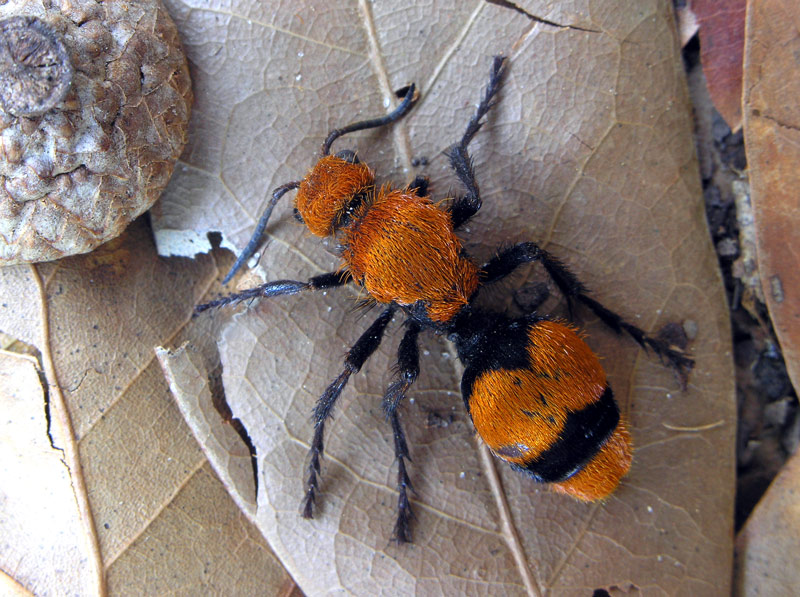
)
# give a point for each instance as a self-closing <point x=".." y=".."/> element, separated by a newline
<point x="588" y="152"/>
<point x="772" y="136"/>
<point x="129" y="487"/>
<point x="766" y="548"/>
<point x="721" y="51"/>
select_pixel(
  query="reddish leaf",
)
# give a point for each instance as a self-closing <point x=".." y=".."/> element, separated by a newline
<point x="772" y="139"/>
<point x="721" y="51"/>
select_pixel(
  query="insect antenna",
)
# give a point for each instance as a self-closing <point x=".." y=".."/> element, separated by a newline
<point x="255" y="240"/>
<point x="409" y="97"/>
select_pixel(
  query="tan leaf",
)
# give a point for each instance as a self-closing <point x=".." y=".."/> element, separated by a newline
<point x="189" y="383"/>
<point x="590" y="153"/>
<point x="150" y="515"/>
<point x="766" y="548"/>
<point x="772" y="137"/>
<point x="40" y="521"/>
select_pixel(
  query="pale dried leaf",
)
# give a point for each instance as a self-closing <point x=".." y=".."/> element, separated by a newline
<point x="21" y="307"/>
<point x="189" y="383"/>
<point x="11" y="588"/>
<point x="153" y="500"/>
<point x="153" y="503"/>
<point x="590" y="153"/>
<point x="42" y="543"/>
<point x="687" y="23"/>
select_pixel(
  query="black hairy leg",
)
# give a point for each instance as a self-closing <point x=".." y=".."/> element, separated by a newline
<point x="420" y="185"/>
<point x="367" y="343"/>
<point x="255" y="239"/>
<point x="463" y="208"/>
<point x="407" y="372"/>
<point x="574" y="290"/>
<point x="278" y="288"/>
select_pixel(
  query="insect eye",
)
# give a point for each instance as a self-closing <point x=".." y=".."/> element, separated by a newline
<point x="348" y="155"/>
<point x="297" y="215"/>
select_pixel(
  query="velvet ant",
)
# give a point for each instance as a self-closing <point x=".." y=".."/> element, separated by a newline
<point x="536" y="393"/>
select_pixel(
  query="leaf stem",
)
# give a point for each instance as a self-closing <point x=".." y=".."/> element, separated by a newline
<point x="59" y="415"/>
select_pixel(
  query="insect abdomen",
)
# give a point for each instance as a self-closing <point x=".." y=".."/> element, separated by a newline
<point x="538" y="397"/>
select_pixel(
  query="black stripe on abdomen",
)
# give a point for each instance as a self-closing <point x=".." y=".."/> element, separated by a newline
<point x="583" y="435"/>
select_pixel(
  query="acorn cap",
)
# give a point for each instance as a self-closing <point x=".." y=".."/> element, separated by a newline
<point x="95" y="101"/>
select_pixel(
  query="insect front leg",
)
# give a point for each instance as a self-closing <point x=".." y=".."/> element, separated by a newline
<point x="463" y="208"/>
<point x="573" y="289"/>
<point x="353" y="361"/>
<point x="279" y="288"/>
<point x="255" y="239"/>
<point x="407" y="372"/>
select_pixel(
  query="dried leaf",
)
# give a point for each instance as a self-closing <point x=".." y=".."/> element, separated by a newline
<point x="600" y="107"/>
<point x="12" y="588"/>
<point x="772" y="137"/>
<point x="588" y="152"/>
<point x="40" y="521"/>
<point x="687" y="23"/>
<point x="189" y="383"/>
<point x="721" y="51"/>
<point x="155" y="516"/>
<point x="766" y="548"/>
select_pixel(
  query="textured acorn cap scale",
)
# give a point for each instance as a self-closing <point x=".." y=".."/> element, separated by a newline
<point x="95" y="101"/>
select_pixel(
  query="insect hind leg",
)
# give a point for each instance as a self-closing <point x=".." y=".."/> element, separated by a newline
<point x="366" y="344"/>
<point x="407" y="372"/>
<point x="574" y="290"/>
<point x="419" y="186"/>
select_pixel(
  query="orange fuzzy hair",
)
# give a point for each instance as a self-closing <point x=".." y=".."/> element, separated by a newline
<point x="402" y="249"/>
<point x="328" y="189"/>
<point x="601" y="475"/>
<point x="521" y="413"/>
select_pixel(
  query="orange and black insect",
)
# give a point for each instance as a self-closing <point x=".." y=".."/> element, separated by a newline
<point x="535" y="391"/>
